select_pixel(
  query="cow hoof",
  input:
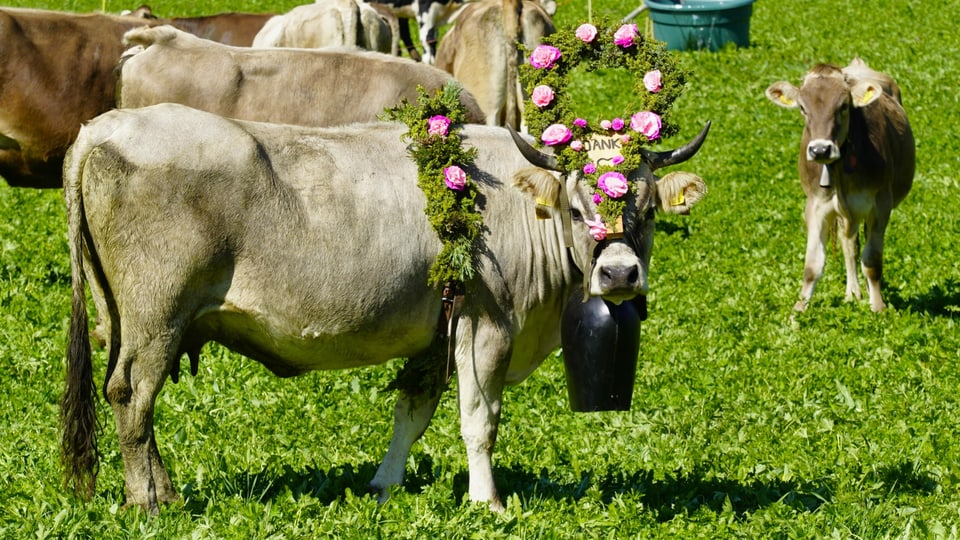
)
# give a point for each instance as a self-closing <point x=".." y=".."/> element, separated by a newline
<point x="801" y="305"/>
<point x="382" y="494"/>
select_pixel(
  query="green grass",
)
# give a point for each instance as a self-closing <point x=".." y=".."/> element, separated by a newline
<point x="747" y="421"/>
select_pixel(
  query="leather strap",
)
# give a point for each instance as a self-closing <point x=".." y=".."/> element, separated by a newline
<point x="452" y="300"/>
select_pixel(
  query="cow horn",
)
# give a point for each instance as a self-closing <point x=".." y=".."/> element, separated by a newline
<point x="534" y="156"/>
<point x="672" y="157"/>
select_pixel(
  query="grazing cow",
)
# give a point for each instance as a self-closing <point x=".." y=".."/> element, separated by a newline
<point x="59" y="71"/>
<point x="328" y="23"/>
<point x="856" y="165"/>
<point x="481" y="51"/>
<point x="308" y="248"/>
<point x="229" y="28"/>
<point x="313" y="87"/>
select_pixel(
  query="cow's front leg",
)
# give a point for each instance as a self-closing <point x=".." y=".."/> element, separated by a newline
<point x="816" y="215"/>
<point x="872" y="260"/>
<point x="411" y="416"/>
<point x="482" y="361"/>
<point x="847" y="229"/>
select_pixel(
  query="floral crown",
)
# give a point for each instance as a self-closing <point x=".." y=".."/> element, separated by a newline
<point x="658" y="81"/>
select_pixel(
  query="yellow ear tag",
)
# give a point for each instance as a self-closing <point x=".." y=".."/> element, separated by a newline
<point x="541" y="209"/>
<point x="543" y="202"/>
<point x="867" y="96"/>
<point x="678" y="200"/>
<point x="785" y="100"/>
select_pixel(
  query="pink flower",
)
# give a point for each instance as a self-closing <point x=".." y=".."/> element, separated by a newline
<point x="544" y="56"/>
<point x="617" y="124"/>
<point x="597" y="198"/>
<point x="653" y="81"/>
<point x="542" y="96"/>
<point x="586" y="32"/>
<point x="437" y="125"/>
<point x="556" y="134"/>
<point x="616" y="160"/>
<point x="606" y="124"/>
<point x="624" y="139"/>
<point x="646" y="122"/>
<point x="580" y="122"/>
<point x="576" y="146"/>
<point x="589" y="168"/>
<point x="597" y="229"/>
<point x="625" y="35"/>
<point x="454" y="178"/>
<point x="613" y="184"/>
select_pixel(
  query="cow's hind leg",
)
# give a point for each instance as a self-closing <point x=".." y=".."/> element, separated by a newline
<point x="132" y="391"/>
<point x="416" y="404"/>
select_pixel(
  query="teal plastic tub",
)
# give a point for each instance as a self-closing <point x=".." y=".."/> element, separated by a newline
<point x="700" y="24"/>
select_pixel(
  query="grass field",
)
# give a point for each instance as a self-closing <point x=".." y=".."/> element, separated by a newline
<point x="747" y="421"/>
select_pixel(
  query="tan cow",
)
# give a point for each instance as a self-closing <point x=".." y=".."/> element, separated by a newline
<point x="856" y="164"/>
<point x="328" y="23"/>
<point x="481" y="51"/>
<point x="314" y="87"/>
<point x="229" y="28"/>
<point x="58" y="72"/>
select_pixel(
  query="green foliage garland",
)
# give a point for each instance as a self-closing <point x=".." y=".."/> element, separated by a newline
<point x="601" y="52"/>
<point x="452" y="213"/>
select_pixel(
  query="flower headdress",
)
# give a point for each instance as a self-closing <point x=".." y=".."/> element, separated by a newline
<point x="658" y="81"/>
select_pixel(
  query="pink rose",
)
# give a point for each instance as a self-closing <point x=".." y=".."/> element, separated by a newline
<point x="597" y="229"/>
<point x="586" y="32"/>
<point x="613" y="184"/>
<point x="625" y="35"/>
<point x="597" y="198"/>
<point x="653" y="81"/>
<point x="556" y="134"/>
<point x="617" y="160"/>
<point x="437" y="125"/>
<point x="576" y="146"/>
<point x="454" y="178"/>
<point x="589" y="168"/>
<point x="580" y="122"/>
<point x="605" y="124"/>
<point x="646" y="122"/>
<point x="624" y="139"/>
<point x="544" y="56"/>
<point x="617" y="124"/>
<point x="542" y="96"/>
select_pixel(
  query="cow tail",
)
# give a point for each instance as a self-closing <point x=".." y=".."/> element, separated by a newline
<point x="512" y="15"/>
<point x="79" y="428"/>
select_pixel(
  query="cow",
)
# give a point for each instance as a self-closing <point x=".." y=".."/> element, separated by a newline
<point x="328" y="23"/>
<point x="857" y="159"/>
<point x="59" y="71"/>
<point x="229" y="28"/>
<point x="482" y="52"/>
<point x="314" y="87"/>
<point x="308" y="248"/>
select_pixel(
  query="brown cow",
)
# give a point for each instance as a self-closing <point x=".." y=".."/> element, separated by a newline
<point x="229" y="28"/>
<point x="856" y="164"/>
<point x="481" y="52"/>
<point x="309" y="87"/>
<point x="59" y="71"/>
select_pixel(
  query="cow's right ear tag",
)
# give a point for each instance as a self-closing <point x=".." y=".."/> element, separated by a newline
<point x="786" y="101"/>
<point x="544" y="208"/>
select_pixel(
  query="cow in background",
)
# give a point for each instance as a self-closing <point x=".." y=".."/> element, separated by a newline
<point x="59" y="71"/>
<point x="857" y="158"/>
<point x="313" y="87"/>
<point x="229" y="28"/>
<point x="308" y="248"/>
<point x="482" y="51"/>
<point x="329" y="23"/>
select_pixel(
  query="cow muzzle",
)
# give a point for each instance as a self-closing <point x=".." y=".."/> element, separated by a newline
<point x="823" y="151"/>
<point x="618" y="276"/>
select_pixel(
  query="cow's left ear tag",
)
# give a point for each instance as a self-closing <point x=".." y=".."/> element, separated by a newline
<point x="867" y="96"/>
<point x="786" y="101"/>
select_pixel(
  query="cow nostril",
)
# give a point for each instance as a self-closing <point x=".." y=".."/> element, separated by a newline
<point x="619" y="276"/>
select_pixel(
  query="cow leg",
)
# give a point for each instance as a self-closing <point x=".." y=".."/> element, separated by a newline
<point x="817" y="214"/>
<point x="481" y="371"/>
<point x="849" y="235"/>
<point x="411" y="416"/>
<point x="872" y="260"/>
<point x="132" y="391"/>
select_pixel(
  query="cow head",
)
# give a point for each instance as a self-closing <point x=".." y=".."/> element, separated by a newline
<point x="825" y="98"/>
<point x="614" y="268"/>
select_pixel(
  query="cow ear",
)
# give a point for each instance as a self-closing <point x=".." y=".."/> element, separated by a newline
<point x="865" y="93"/>
<point x="678" y="191"/>
<point x="542" y="186"/>
<point x="783" y="94"/>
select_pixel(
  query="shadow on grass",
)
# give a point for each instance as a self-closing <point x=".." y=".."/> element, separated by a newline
<point x="941" y="300"/>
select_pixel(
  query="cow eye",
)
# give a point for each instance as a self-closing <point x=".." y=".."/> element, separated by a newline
<point x="576" y="214"/>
